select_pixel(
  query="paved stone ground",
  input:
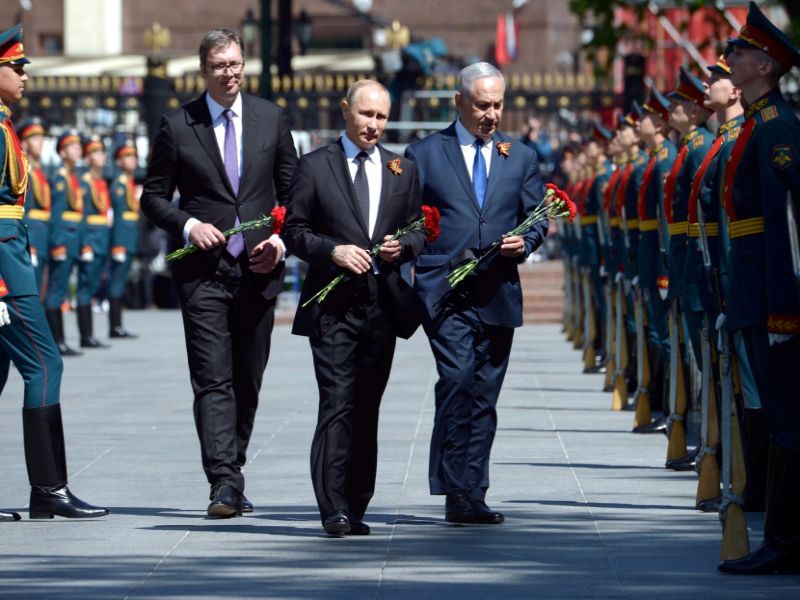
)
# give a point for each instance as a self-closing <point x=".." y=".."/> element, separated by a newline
<point x="591" y="513"/>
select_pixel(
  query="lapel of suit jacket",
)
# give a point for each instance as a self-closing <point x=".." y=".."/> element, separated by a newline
<point x="387" y="187"/>
<point x="200" y="121"/>
<point x="341" y="174"/>
<point x="495" y="169"/>
<point x="452" y="150"/>
<point x="250" y="137"/>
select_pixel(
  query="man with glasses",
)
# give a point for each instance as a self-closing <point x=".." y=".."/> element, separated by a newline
<point x="231" y="158"/>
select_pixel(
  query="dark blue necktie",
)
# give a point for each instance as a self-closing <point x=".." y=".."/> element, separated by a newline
<point x="235" y="244"/>
<point x="361" y="186"/>
<point x="479" y="179"/>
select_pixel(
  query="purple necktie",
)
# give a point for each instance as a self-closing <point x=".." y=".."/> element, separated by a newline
<point x="235" y="242"/>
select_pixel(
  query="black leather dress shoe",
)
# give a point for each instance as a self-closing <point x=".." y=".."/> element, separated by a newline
<point x="687" y="463"/>
<point x="457" y="508"/>
<point x="65" y="350"/>
<point x="657" y="426"/>
<point x="247" y="506"/>
<point x="769" y="559"/>
<point x="121" y="332"/>
<point x="225" y="502"/>
<point x="9" y="516"/>
<point x="358" y="528"/>
<point x="93" y="342"/>
<point x="481" y="513"/>
<point x="49" y="501"/>
<point x="337" y="524"/>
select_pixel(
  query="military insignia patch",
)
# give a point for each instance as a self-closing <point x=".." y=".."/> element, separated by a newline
<point x="769" y="113"/>
<point x="60" y="186"/>
<point x="782" y="157"/>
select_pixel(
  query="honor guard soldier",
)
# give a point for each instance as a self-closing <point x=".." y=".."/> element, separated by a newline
<point x="31" y="133"/>
<point x="24" y="336"/>
<point x="762" y="176"/>
<point x="687" y="115"/>
<point x="124" y="234"/>
<point x="725" y="100"/>
<point x="653" y="129"/>
<point x="66" y="231"/>
<point x="96" y="238"/>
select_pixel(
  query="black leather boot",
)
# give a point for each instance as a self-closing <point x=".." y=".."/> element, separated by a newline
<point x="756" y="458"/>
<point x="47" y="467"/>
<point x="8" y="516"/>
<point x="115" y="328"/>
<point x="779" y="553"/>
<point x="56" y="321"/>
<point x="86" y="329"/>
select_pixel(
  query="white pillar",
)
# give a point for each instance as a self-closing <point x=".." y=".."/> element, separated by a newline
<point x="92" y="27"/>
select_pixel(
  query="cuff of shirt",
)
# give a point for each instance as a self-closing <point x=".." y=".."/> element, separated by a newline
<point x="275" y="236"/>
<point x="187" y="228"/>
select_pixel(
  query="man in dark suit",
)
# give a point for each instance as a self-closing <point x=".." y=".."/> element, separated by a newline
<point x="231" y="157"/>
<point x="484" y="184"/>
<point x="345" y="198"/>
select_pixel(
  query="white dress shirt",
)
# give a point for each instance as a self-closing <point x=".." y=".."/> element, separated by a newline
<point x="374" y="168"/>
<point x="466" y="140"/>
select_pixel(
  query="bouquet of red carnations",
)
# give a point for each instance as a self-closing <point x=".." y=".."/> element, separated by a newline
<point x="275" y="219"/>
<point x="428" y="222"/>
<point x="556" y="204"/>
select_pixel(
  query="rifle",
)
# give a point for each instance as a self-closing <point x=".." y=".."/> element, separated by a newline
<point x="735" y="541"/>
<point x="794" y="243"/>
<point x="620" y="397"/>
<point x="643" y="414"/>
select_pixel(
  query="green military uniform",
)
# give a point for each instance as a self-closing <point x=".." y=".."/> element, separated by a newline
<point x="37" y="203"/>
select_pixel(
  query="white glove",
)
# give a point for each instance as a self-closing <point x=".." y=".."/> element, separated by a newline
<point x="663" y="293"/>
<point x="5" y="318"/>
<point x="626" y="285"/>
<point x="720" y="322"/>
<point x="618" y="277"/>
<point x="779" y="338"/>
<point x="34" y="260"/>
<point x="603" y="271"/>
<point x="635" y="281"/>
<point x="119" y="257"/>
<point x="87" y="256"/>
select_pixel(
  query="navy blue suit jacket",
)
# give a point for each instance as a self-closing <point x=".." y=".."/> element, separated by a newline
<point x="515" y="188"/>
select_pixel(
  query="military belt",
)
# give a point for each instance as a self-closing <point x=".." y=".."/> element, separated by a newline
<point x="38" y="214"/>
<point x="72" y="216"/>
<point x="588" y="219"/>
<point x="712" y="230"/>
<point x="679" y="228"/>
<point x="12" y="211"/>
<point x="97" y="219"/>
<point x="648" y="225"/>
<point x="633" y="224"/>
<point x="745" y="227"/>
<point x="130" y="215"/>
<point x="613" y="221"/>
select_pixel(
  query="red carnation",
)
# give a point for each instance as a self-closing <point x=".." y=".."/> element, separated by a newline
<point x="278" y="215"/>
<point x="551" y="186"/>
<point x="431" y="226"/>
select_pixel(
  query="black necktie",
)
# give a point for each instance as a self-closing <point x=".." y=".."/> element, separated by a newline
<point x="361" y="186"/>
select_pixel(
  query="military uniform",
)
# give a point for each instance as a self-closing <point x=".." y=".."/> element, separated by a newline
<point x="124" y="240"/>
<point x="26" y="340"/>
<point x="763" y="168"/>
<point x="37" y="203"/>
<point x="95" y="244"/>
<point x="66" y="231"/>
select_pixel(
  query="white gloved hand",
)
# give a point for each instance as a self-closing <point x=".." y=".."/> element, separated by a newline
<point x="119" y="257"/>
<point x="635" y="281"/>
<point x="626" y="285"/>
<point x="663" y="293"/>
<point x="603" y="271"/>
<point x="5" y="318"/>
<point x="87" y="256"/>
<point x="779" y="338"/>
<point x="720" y="322"/>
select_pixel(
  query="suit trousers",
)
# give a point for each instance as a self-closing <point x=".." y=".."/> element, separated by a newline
<point x="352" y="362"/>
<point x="227" y="324"/>
<point x="471" y="359"/>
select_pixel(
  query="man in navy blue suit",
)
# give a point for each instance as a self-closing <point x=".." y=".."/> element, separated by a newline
<point x="484" y="183"/>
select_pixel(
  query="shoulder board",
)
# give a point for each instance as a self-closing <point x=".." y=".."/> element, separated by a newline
<point x="734" y="133"/>
<point x="87" y="177"/>
<point x="769" y="113"/>
<point x="698" y="141"/>
<point x="123" y="178"/>
<point x="663" y="154"/>
<point x="62" y="171"/>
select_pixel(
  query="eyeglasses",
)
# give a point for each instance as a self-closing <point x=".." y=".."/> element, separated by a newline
<point x="220" y="68"/>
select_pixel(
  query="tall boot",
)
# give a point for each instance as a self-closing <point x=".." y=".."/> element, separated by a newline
<point x="756" y="458"/>
<point x="115" y="329"/>
<point x="56" y="321"/>
<point x="47" y="467"/>
<point x="779" y="553"/>
<point x="85" y="327"/>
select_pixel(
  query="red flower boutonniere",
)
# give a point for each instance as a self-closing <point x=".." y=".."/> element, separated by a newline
<point x="394" y="166"/>
<point x="503" y="149"/>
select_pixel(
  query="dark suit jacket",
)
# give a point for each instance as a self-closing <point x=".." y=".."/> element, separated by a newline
<point x="514" y="189"/>
<point x="323" y="212"/>
<point x="186" y="155"/>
